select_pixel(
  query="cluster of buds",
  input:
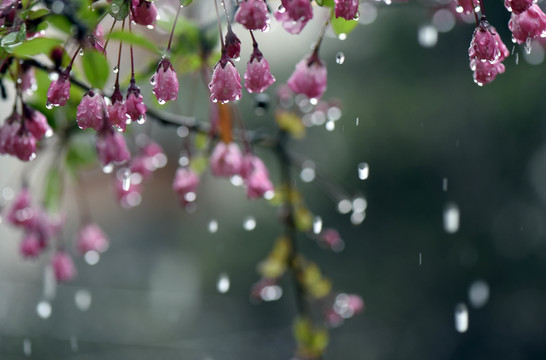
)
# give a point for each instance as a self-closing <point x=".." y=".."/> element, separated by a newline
<point x="527" y="22"/>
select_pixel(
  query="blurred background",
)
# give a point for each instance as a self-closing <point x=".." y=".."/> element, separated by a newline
<point x="454" y="229"/>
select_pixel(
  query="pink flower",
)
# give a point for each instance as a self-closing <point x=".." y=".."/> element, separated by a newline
<point x="347" y="9"/>
<point x="309" y="78"/>
<point x="63" y="267"/>
<point x="518" y="6"/>
<point x="289" y="24"/>
<point x="484" y="45"/>
<point x="257" y="75"/>
<point x="145" y="13"/>
<point x="256" y="176"/>
<point x="117" y="112"/>
<point x="225" y="84"/>
<point x="298" y="9"/>
<point x="30" y="246"/>
<point x="253" y="14"/>
<point x="466" y="6"/>
<point x="96" y="39"/>
<point x="185" y="184"/>
<point x="111" y="148"/>
<point x="232" y="44"/>
<point x="21" y="214"/>
<point x="226" y="160"/>
<point x="92" y="111"/>
<point x="36" y="123"/>
<point x="151" y="158"/>
<point x="91" y="238"/>
<point x="8" y="132"/>
<point x="485" y="72"/>
<point x="59" y="90"/>
<point x="165" y="82"/>
<point x="136" y="108"/>
<point x="530" y="24"/>
<point x="24" y="146"/>
<point x="128" y="197"/>
<point x="28" y="80"/>
<point x="331" y="239"/>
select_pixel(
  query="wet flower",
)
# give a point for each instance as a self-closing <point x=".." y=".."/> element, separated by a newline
<point x="309" y="77"/>
<point x="255" y="176"/>
<point x="225" y="84"/>
<point x="117" y="111"/>
<point x="289" y="24"/>
<point x="91" y="238"/>
<point x="63" y="266"/>
<point x="347" y="9"/>
<point x="298" y="9"/>
<point x="24" y="145"/>
<point x="257" y="75"/>
<point x="144" y="13"/>
<point x="165" y="82"/>
<point x="518" y="6"/>
<point x="485" y="72"/>
<point x="36" y="123"/>
<point x="233" y="44"/>
<point x="253" y="14"/>
<point x="136" y="108"/>
<point x="111" y="148"/>
<point x="92" y="111"/>
<point x="226" y="160"/>
<point x="128" y="197"/>
<point x="530" y="24"/>
<point x="28" y="79"/>
<point x="331" y="239"/>
<point x="186" y="182"/>
<point x="466" y="6"/>
<point x="59" y="90"/>
<point x="30" y="246"/>
<point x="151" y="158"/>
<point x="484" y="45"/>
<point x="20" y="213"/>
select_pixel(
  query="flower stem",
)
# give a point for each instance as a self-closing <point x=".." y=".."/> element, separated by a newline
<point x="219" y="26"/>
<point x="172" y="31"/>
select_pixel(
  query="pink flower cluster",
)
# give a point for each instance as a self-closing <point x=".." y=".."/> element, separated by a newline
<point x="486" y="53"/>
<point x="528" y="21"/>
<point x="294" y="15"/>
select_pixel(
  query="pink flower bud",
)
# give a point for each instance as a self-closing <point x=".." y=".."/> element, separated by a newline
<point x="256" y="176"/>
<point x="63" y="266"/>
<point x="298" y="9"/>
<point x="145" y="13"/>
<point x="484" y="45"/>
<point x="91" y="238"/>
<point x="185" y="184"/>
<point x="92" y="111"/>
<point x="136" y="108"/>
<point x="165" y="82"/>
<point x="151" y="158"/>
<point x="347" y="9"/>
<point x="117" y="111"/>
<point x="309" y="78"/>
<point x="289" y="24"/>
<point x="24" y="146"/>
<point x="257" y="75"/>
<point x="253" y="15"/>
<point x="8" y="133"/>
<point x="36" y="123"/>
<point x="530" y="24"/>
<point x="21" y="214"/>
<point x="226" y="160"/>
<point x="128" y="197"/>
<point x="30" y="246"/>
<point x="485" y="72"/>
<point x="111" y="148"/>
<point x="232" y="44"/>
<point x="518" y="6"/>
<point x="28" y="81"/>
<point x="225" y="84"/>
<point x="59" y="90"/>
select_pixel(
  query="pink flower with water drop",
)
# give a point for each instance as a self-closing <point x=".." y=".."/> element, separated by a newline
<point x="485" y="72"/>
<point x="165" y="82"/>
<point x="466" y="6"/>
<point x="484" y="45"/>
<point x="92" y="111"/>
<point x="24" y="145"/>
<point x="59" y="90"/>
<point x="30" y="246"/>
<point x="225" y="84"/>
<point x="128" y="197"/>
<point x="91" y="238"/>
<point x="257" y="75"/>
<point x="36" y="123"/>
<point x="255" y="176"/>
<point x="117" y="111"/>
<point x="309" y="77"/>
<point x="518" y="6"/>
<point x="289" y="24"/>
<point x="145" y="13"/>
<point x="298" y="9"/>
<point x="347" y="9"/>
<point x="21" y="213"/>
<point x="63" y="267"/>
<point x="226" y="160"/>
<point x="185" y="184"/>
<point x="253" y="14"/>
<point x="111" y="148"/>
<point x="151" y="158"/>
<point x="232" y="44"/>
<point x="136" y="108"/>
<point x="528" y="25"/>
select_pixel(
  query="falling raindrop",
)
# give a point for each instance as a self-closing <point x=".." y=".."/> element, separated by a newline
<point x="444" y="184"/>
<point x="317" y="225"/>
<point x="427" y="35"/>
<point x="478" y="293"/>
<point x="363" y="170"/>
<point x="330" y="125"/>
<point x="340" y="58"/>
<point x="451" y="218"/>
<point x="357" y="121"/>
<point x="126" y="180"/>
<point x="344" y="206"/>
<point x="107" y="169"/>
<point x="213" y="226"/>
<point x="357" y="218"/>
<point x="74" y="343"/>
<point x="420" y="259"/>
<point x="461" y="317"/>
<point x="223" y="283"/>
<point x="91" y="257"/>
<point x="43" y="309"/>
<point x="115" y="69"/>
<point x="27" y="347"/>
<point x="249" y="223"/>
<point x="517" y="58"/>
<point x="82" y="299"/>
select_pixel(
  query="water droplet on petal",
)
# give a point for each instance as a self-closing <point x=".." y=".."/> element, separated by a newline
<point x="249" y="223"/>
<point x="461" y="318"/>
<point x="161" y="101"/>
<point x="340" y="58"/>
<point x="363" y="170"/>
<point x="528" y="46"/>
<point x="152" y="80"/>
<point x="43" y="309"/>
<point x="223" y="283"/>
<point x="107" y="169"/>
<point x="49" y="105"/>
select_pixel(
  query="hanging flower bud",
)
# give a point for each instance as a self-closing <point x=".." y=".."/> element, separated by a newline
<point x="59" y="90"/>
<point x="485" y="72"/>
<point x="165" y="82"/>
<point x="289" y="24"/>
<point x="21" y="213"/>
<point x="136" y="108"/>
<point x="309" y="77"/>
<point x="63" y="267"/>
<point x="30" y="246"/>
<point x="92" y="111"/>
<point x="255" y="176"/>
<point x="151" y="158"/>
<point x="484" y="45"/>
<point x="294" y="15"/>
<point x="518" y="6"/>
<point x="117" y="111"/>
<point x="186" y="182"/>
<point x="257" y="75"/>
<point x="91" y="238"/>
<point x="36" y="123"/>
<point x="111" y="148"/>
<point x="467" y="6"/>
<point x="225" y="84"/>
<point x="8" y="132"/>
<point x="24" y="145"/>
<point x="226" y="160"/>
<point x="528" y="25"/>
<point x="347" y="9"/>
<point x="253" y="15"/>
<point x="233" y="44"/>
<point x="145" y="13"/>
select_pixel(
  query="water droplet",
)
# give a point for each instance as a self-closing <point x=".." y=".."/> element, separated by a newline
<point x="271" y="293"/>
<point x="8" y="193"/>
<point x="357" y="121"/>
<point x="126" y="180"/>
<point x="74" y="343"/>
<point x="444" y="184"/>
<point x="43" y="309"/>
<point x="152" y="80"/>
<point x="32" y="156"/>
<point x="363" y="170"/>
<point x="27" y="347"/>
<point x="307" y="174"/>
<point x="330" y="125"/>
<point x="91" y="257"/>
<point x="451" y="218"/>
<point x="115" y="69"/>
<point x="190" y="196"/>
<point x="182" y="131"/>
<point x="334" y="113"/>
<point x="461" y="318"/>
<point x="80" y="52"/>
<point x="183" y="161"/>
<point x="82" y="299"/>
<point x="107" y="169"/>
<point x="141" y="120"/>
<point x="49" y="105"/>
<point x="528" y="46"/>
<point x="223" y="283"/>
<point x="313" y="101"/>
<point x="115" y="8"/>
<point x="57" y="7"/>
<point x="444" y="20"/>
<point x="317" y="225"/>
<point x="427" y="35"/>
<point x="213" y="226"/>
<point x="478" y="293"/>
<point x="151" y="27"/>
<point x="340" y="58"/>
<point x="236" y="180"/>
<point x="48" y="134"/>
<point x="420" y="259"/>
<point x="344" y="206"/>
<point x="53" y="76"/>
<point x="357" y="217"/>
<point x="360" y="204"/>
<point x="342" y="36"/>
<point x="249" y="223"/>
<point x="161" y="101"/>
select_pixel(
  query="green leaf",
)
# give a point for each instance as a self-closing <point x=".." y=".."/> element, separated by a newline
<point x="185" y="2"/>
<point x="35" y="46"/>
<point x="119" y="9"/>
<point x="61" y="23"/>
<point x="14" y="38"/>
<point x="53" y="190"/>
<point x="199" y="163"/>
<point x="96" y="68"/>
<point x="135" y="39"/>
<point x="327" y="3"/>
<point x="38" y="14"/>
<point x="342" y="27"/>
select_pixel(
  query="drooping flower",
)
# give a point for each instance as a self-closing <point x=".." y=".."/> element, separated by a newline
<point x="91" y="238"/>
<point x="59" y="90"/>
<point x="185" y="184"/>
<point x="150" y="158"/>
<point x="63" y="266"/>
<point x="289" y="24"/>
<point x="128" y="197"/>
<point x="253" y="15"/>
<point x="24" y="145"/>
<point x="36" y="123"/>
<point x="111" y="148"/>
<point x="232" y="44"/>
<point x="165" y="82"/>
<point x="117" y="111"/>
<point x="518" y="6"/>
<point x="92" y="111"/>
<point x="145" y="13"/>
<point x="257" y="75"/>
<point x="485" y="72"/>
<point x="255" y="176"/>
<point x="528" y="25"/>
<point x="225" y="84"/>
<point x="21" y="213"/>
<point x="347" y="9"/>
<point x="466" y="6"/>
<point x="484" y="45"/>
<point x="30" y="246"/>
<point x="136" y="108"/>
<point x="309" y="77"/>
<point x="298" y="9"/>
<point x="226" y="160"/>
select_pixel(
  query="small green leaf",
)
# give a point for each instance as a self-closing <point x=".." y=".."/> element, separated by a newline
<point x="342" y="27"/>
<point x="185" y="2"/>
<point x="14" y="38"/>
<point x="96" y="68"/>
<point x="61" y="23"/>
<point x="327" y="3"/>
<point x="35" y="46"/>
<point x="53" y="190"/>
<point x="38" y="14"/>
<point x="199" y="163"/>
<point x="135" y="39"/>
<point x="119" y="9"/>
